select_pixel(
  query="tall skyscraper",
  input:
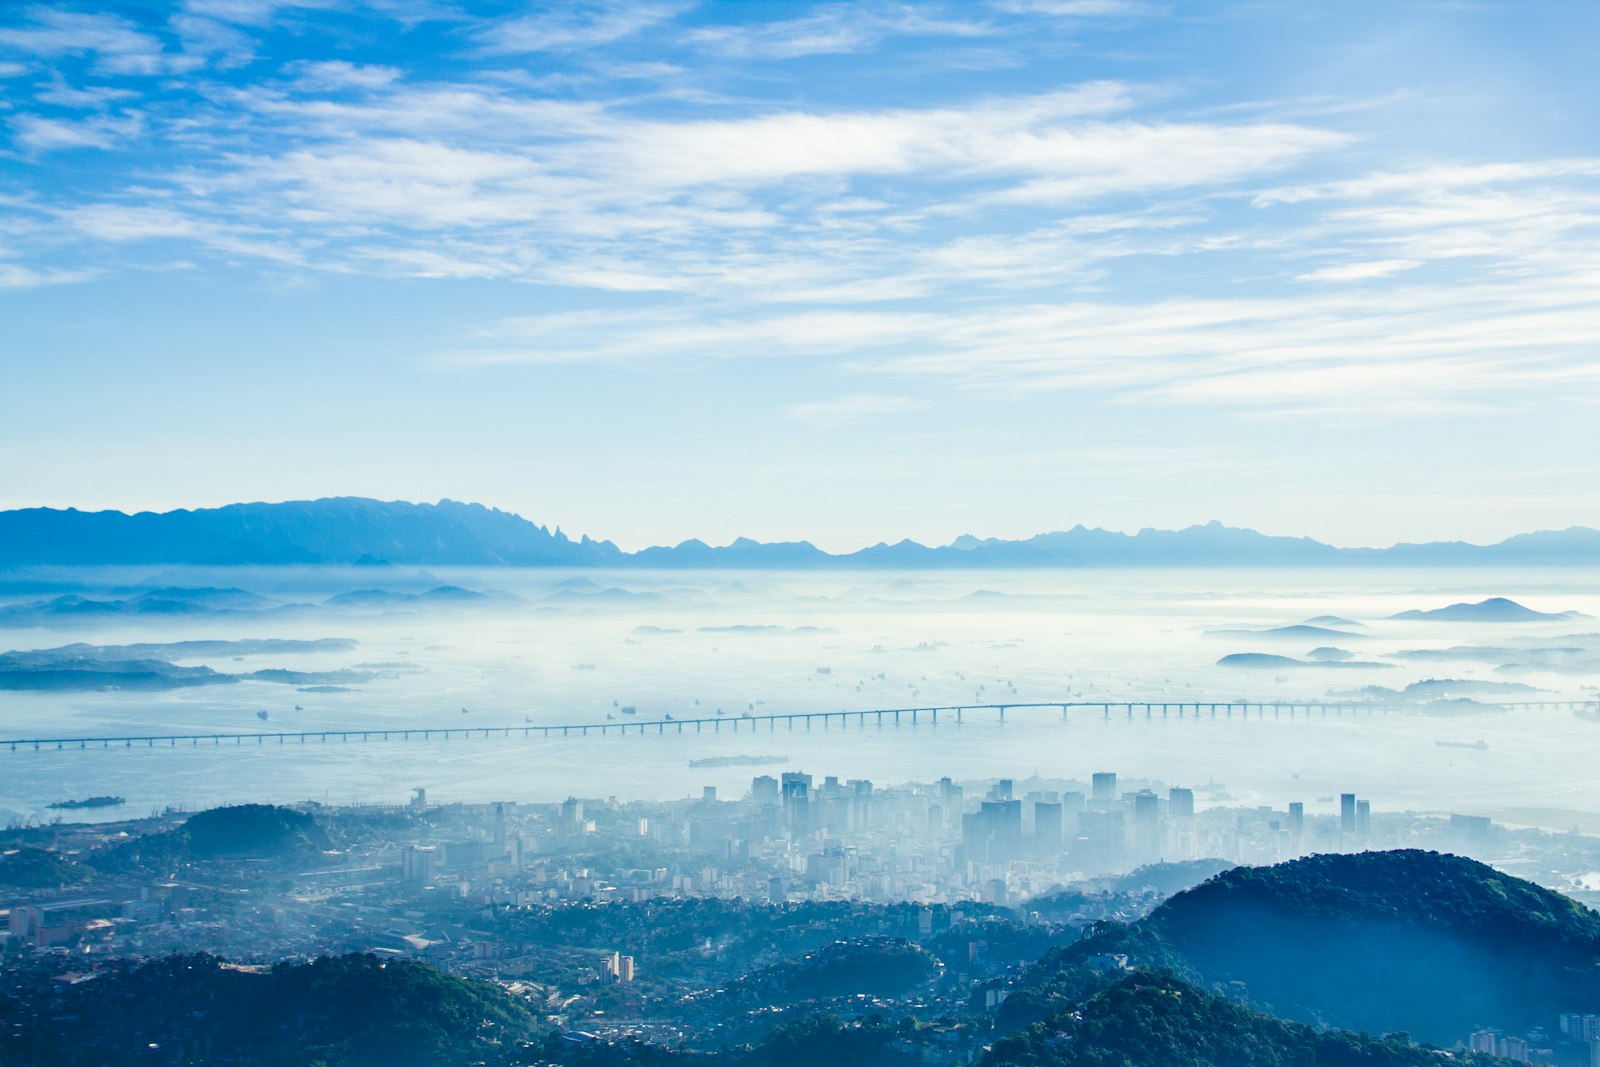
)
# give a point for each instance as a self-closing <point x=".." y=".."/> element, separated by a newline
<point x="1347" y="813"/>
<point x="796" y="790"/>
<point x="1072" y="806"/>
<point x="1146" y="826"/>
<point x="764" y="790"/>
<point x="1047" y="836"/>
<point x="993" y="834"/>
<point x="1104" y="786"/>
<point x="1181" y="802"/>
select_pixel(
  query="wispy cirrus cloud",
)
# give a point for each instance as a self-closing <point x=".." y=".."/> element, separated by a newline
<point x="1360" y="271"/>
<point x="377" y="163"/>
<point x="17" y="276"/>
<point x="1077" y="8"/>
<point x="573" y="27"/>
<point x="333" y="75"/>
<point x="38" y="134"/>
<point x="1424" y="347"/>
<point x="117" y="45"/>
<point x="252" y="12"/>
<point x="835" y="29"/>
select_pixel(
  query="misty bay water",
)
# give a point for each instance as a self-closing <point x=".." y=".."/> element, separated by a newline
<point x="568" y="647"/>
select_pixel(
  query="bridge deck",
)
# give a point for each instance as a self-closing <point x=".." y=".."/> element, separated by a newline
<point x="875" y="717"/>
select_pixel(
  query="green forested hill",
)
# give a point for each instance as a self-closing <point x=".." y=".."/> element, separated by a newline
<point x="1161" y="1021"/>
<point x="1406" y="940"/>
<point x="349" y="1010"/>
<point x="1433" y="944"/>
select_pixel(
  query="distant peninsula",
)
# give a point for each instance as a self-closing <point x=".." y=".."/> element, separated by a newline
<point x="354" y="531"/>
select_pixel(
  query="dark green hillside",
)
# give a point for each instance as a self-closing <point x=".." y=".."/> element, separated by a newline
<point x="1432" y="944"/>
<point x="40" y="868"/>
<point x="879" y="966"/>
<point x="1377" y="941"/>
<point x="1160" y="1021"/>
<point x="253" y="830"/>
<point x="351" y="1010"/>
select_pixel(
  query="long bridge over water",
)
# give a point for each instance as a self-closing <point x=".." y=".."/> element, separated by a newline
<point x="877" y="717"/>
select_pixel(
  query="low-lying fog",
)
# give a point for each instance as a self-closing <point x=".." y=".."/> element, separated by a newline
<point x="401" y="647"/>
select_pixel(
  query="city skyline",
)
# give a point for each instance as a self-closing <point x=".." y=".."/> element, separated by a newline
<point x="835" y="272"/>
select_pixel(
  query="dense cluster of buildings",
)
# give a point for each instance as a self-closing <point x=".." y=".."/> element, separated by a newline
<point x="789" y="838"/>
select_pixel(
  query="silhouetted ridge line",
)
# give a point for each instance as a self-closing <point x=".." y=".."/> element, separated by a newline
<point x="355" y="530"/>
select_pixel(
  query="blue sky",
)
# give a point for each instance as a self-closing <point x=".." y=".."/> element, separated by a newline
<point x="844" y="271"/>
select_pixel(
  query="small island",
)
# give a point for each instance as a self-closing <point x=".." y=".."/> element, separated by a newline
<point x="737" y="761"/>
<point x="88" y="802"/>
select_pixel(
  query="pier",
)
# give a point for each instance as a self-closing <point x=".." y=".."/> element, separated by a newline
<point x="953" y="714"/>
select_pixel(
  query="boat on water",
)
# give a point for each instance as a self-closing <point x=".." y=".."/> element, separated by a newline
<point x="1478" y="745"/>
<point x="261" y="715"/>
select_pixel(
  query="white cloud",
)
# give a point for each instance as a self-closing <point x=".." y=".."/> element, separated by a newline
<point x="97" y="131"/>
<point x="112" y="222"/>
<point x="1430" y="180"/>
<point x="54" y="32"/>
<point x="336" y="74"/>
<point x="573" y="27"/>
<point x="1077" y="8"/>
<point x="472" y="180"/>
<point x="16" y="276"/>
<point x="118" y="46"/>
<point x="836" y="29"/>
<point x="251" y="12"/>
<point x="1402" y="349"/>
<point x="224" y="45"/>
<point x="94" y="97"/>
<point x="1359" y="272"/>
<point x="440" y="157"/>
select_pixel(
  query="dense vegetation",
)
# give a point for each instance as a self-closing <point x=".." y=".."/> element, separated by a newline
<point x="1161" y="1021"/>
<point x="40" y="868"/>
<point x="350" y="1010"/>
<point x="873" y="966"/>
<point x="1378" y="941"/>
<point x="1437" y="945"/>
<point x="253" y="830"/>
<point x="691" y="937"/>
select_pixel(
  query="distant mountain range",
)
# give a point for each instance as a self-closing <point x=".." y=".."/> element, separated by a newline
<point x="354" y="530"/>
